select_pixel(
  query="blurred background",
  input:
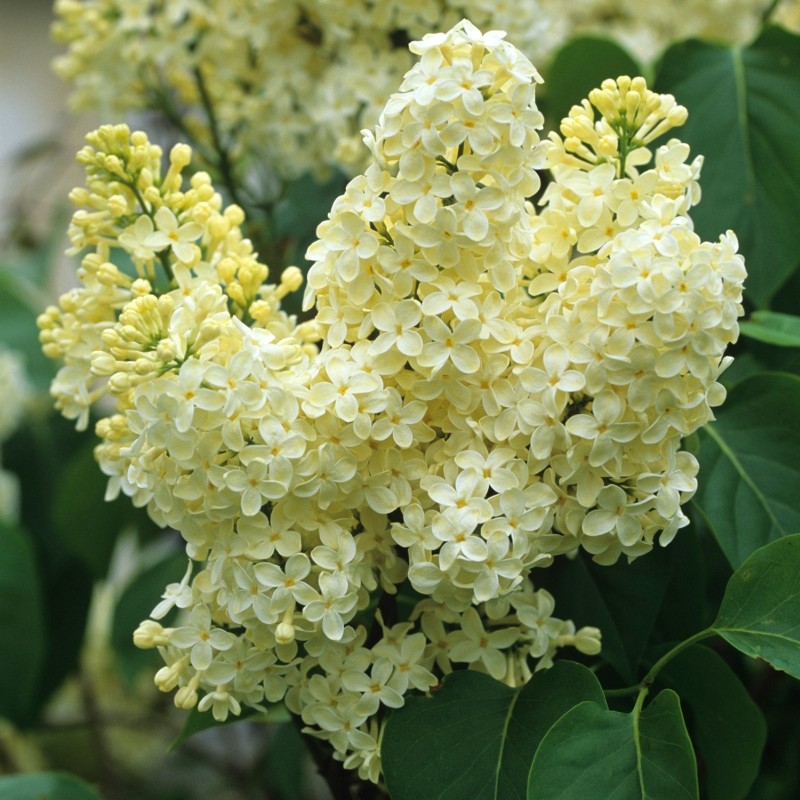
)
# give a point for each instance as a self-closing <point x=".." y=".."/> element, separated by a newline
<point x="38" y="136"/>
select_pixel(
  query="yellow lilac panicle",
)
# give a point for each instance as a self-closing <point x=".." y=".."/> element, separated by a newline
<point x="484" y="385"/>
<point x="118" y="328"/>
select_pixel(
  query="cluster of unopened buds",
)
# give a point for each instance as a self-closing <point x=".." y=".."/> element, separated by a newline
<point x="485" y="385"/>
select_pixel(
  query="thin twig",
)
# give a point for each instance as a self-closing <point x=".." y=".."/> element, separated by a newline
<point x="766" y="17"/>
<point x="224" y="163"/>
<point x="97" y="733"/>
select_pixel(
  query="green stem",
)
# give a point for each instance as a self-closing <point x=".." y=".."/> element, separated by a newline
<point x="637" y="710"/>
<point x="766" y="17"/>
<point x="622" y="692"/>
<point x="647" y="682"/>
<point x="270" y="250"/>
<point x="162" y="101"/>
<point x="139" y="199"/>
<point x="98" y="733"/>
<point x="450" y="167"/>
<point x="224" y="163"/>
<point x="649" y="679"/>
<point x="623" y="150"/>
<point x="644" y="690"/>
<point x="163" y="255"/>
<point x="216" y="158"/>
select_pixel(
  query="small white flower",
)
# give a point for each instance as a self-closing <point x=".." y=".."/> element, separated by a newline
<point x="169" y="233"/>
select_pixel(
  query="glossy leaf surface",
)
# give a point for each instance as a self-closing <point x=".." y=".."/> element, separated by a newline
<point x="476" y="737"/>
<point x="749" y="465"/>
<point x="760" y="612"/>
<point x="594" y="752"/>
<point x="729" y="729"/>
<point x="744" y="114"/>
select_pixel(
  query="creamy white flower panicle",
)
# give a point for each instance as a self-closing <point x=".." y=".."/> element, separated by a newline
<point x="494" y="385"/>
<point x="640" y="307"/>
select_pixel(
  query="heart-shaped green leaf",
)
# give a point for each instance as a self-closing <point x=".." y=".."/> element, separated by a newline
<point x="594" y="752"/>
<point x="20" y="303"/>
<point x="578" y="67"/>
<point x="85" y="521"/>
<point x="744" y="114"/>
<point x="729" y="729"/>
<point x="749" y="465"/>
<point x="199" y="721"/>
<point x="476" y="737"/>
<point x="602" y="596"/>
<point x="760" y="612"/>
<point x="135" y="604"/>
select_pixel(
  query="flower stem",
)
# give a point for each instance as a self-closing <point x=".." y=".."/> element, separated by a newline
<point x="766" y="17"/>
<point x="649" y="679"/>
<point x="644" y="685"/>
<point x="224" y="163"/>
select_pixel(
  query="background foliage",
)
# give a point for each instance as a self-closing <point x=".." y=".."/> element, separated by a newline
<point x="695" y="693"/>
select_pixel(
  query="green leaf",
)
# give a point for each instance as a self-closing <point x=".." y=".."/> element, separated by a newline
<point x="760" y="357"/>
<point x="760" y="612"/>
<point x="744" y="114"/>
<point x="304" y="204"/>
<point x="685" y="608"/>
<point x="579" y="66"/>
<point x="36" y="454"/>
<point x="135" y="604"/>
<point x="198" y="721"/>
<point x="773" y="328"/>
<point x="18" y="329"/>
<point x="594" y="752"/>
<point x="86" y="523"/>
<point x="475" y="737"/>
<point x="749" y="467"/>
<point x="22" y="640"/>
<point x="603" y="596"/>
<point x="729" y="729"/>
<point x="45" y="786"/>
